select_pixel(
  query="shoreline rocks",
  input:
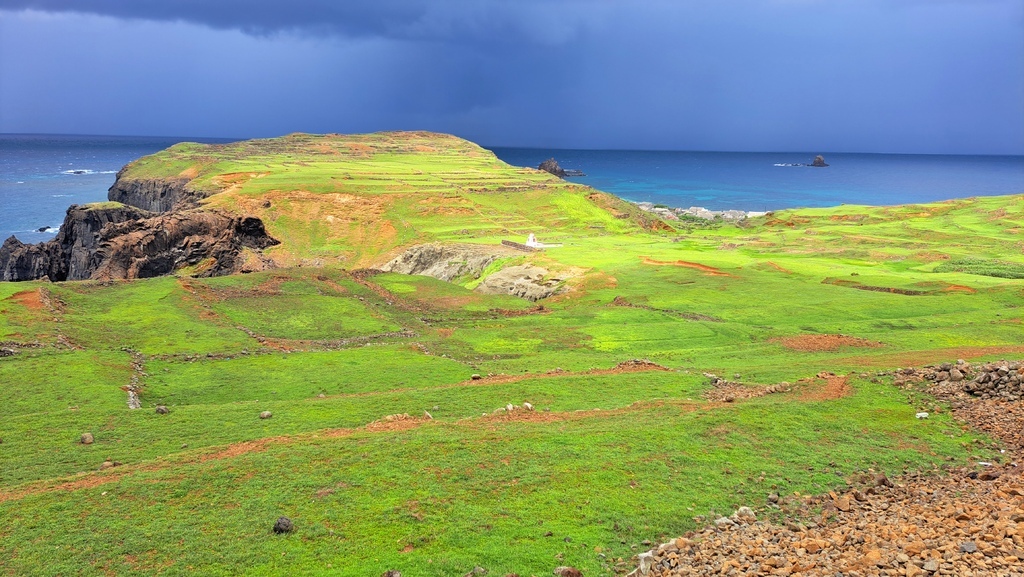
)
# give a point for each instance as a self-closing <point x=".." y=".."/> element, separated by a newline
<point x="700" y="212"/>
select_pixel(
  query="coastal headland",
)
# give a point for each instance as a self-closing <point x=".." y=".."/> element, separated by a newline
<point x="391" y="387"/>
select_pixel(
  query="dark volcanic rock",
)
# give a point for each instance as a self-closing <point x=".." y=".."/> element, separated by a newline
<point x="124" y="242"/>
<point x="819" y="161"/>
<point x="154" y="195"/>
<point x="283" y="525"/>
<point x="551" y="166"/>
<point x="159" y="245"/>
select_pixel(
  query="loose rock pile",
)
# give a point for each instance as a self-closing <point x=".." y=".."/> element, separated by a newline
<point x="998" y="380"/>
<point x="956" y="525"/>
<point x="725" y="391"/>
<point x="967" y="522"/>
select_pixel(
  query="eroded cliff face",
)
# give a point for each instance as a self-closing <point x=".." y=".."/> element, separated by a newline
<point x="154" y="195"/>
<point x="213" y="242"/>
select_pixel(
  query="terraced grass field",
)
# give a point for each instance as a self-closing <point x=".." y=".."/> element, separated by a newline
<point x="387" y="452"/>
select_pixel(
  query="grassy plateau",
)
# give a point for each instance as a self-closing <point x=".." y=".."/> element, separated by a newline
<point x="615" y="453"/>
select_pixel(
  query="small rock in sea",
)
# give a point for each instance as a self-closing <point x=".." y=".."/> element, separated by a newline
<point x="87" y="439"/>
<point x="391" y="573"/>
<point x="568" y="572"/>
<point x="283" y="525"/>
<point x="475" y="377"/>
<point x="161" y="410"/>
<point x="266" y="415"/>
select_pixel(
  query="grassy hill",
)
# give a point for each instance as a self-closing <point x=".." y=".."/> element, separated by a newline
<point x="814" y="303"/>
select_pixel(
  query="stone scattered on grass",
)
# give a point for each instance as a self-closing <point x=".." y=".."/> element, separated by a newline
<point x="266" y="415"/>
<point x="162" y="410"/>
<point x="391" y="573"/>
<point x="475" y="377"/>
<point x="283" y="525"/>
<point x="87" y="439"/>
<point x="568" y="572"/>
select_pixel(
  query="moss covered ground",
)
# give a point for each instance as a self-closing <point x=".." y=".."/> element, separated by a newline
<point x="613" y="454"/>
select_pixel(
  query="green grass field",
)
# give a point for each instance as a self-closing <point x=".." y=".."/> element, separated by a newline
<point x="610" y="456"/>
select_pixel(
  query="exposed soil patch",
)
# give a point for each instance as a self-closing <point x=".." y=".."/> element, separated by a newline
<point x="825" y="387"/>
<point x="709" y="270"/>
<point x="960" y="288"/>
<point x="779" y="268"/>
<point x="817" y="343"/>
<point x="29" y="299"/>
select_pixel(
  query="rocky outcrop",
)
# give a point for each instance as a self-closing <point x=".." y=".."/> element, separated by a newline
<point x="819" y="161"/>
<point x="453" y="262"/>
<point x="525" y="281"/>
<point x="446" y="262"/>
<point x="212" y="240"/>
<point x="68" y="256"/>
<point x="20" y="261"/>
<point x="154" y="194"/>
<point x="114" y="241"/>
<point x="551" y="166"/>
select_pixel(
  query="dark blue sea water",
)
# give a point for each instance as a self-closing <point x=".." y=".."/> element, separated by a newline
<point x="38" y="179"/>
<point x="756" y="181"/>
<point x="40" y="175"/>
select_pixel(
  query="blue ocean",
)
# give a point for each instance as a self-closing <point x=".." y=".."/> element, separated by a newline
<point x="762" y="181"/>
<point x="40" y="175"/>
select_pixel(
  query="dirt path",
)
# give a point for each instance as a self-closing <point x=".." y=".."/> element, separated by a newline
<point x="385" y="425"/>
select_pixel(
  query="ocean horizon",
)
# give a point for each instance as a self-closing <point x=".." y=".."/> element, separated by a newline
<point x="42" y="174"/>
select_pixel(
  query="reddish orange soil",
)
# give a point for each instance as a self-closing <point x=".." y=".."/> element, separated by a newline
<point x="779" y="268"/>
<point x="710" y="270"/>
<point x="824" y="388"/>
<point x="28" y="299"/>
<point x="818" y="343"/>
<point x="960" y="288"/>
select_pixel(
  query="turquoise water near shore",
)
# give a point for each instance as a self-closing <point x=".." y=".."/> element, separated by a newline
<point x="761" y="181"/>
<point x="41" y="175"/>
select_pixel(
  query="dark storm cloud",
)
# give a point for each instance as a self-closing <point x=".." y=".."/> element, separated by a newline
<point x="490" y="20"/>
<point x="828" y="75"/>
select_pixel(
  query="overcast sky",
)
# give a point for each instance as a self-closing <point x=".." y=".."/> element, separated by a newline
<point x="923" y="76"/>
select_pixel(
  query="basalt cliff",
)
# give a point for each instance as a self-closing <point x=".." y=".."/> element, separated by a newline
<point x="150" y="227"/>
